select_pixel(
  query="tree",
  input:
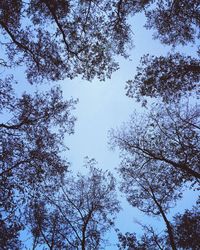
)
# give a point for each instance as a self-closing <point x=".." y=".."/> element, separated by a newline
<point x="64" y="38"/>
<point x="85" y="36"/>
<point x="187" y="229"/>
<point x="79" y="214"/>
<point x="153" y="190"/>
<point x="9" y="232"/>
<point x="148" y="241"/>
<point x="160" y="152"/>
<point x="32" y="137"/>
<point x="175" y="21"/>
<point x="169" y="78"/>
<point x="167" y="135"/>
<point x="31" y="146"/>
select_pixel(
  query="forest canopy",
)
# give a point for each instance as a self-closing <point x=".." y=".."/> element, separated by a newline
<point x="45" y="41"/>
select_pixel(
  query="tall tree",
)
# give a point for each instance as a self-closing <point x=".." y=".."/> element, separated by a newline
<point x="168" y="78"/>
<point x="148" y="241"/>
<point x="79" y="214"/>
<point x="153" y="190"/>
<point x="64" y="38"/>
<point x="187" y="229"/>
<point x="31" y="146"/>
<point x="32" y="136"/>
<point x="167" y="135"/>
<point x="160" y="151"/>
<point x="175" y="22"/>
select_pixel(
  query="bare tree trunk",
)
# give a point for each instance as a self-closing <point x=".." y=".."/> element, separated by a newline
<point x="168" y="225"/>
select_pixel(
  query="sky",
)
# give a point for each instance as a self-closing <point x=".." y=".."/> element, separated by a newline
<point x="104" y="105"/>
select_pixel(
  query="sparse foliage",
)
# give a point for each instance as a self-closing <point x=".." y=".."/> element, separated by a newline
<point x="160" y="152"/>
<point x="152" y="189"/>
<point x="185" y="229"/>
<point x="79" y="214"/>
<point x="166" y="135"/>
<point x="148" y="241"/>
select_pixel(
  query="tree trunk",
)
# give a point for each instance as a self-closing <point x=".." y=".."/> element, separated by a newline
<point x="168" y="225"/>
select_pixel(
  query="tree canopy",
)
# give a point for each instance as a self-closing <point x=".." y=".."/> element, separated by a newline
<point x="167" y="136"/>
<point x="187" y="224"/>
<point x="64" y="38"/>
<point x="160" y="153"/>
<point x="78" y="215"/>
<point x="50" y="40"/>
<point x="175" y="22"/>
<point x="168" y="78"/>
<point x="185" y="230"/>
<point x="31" y="143"/>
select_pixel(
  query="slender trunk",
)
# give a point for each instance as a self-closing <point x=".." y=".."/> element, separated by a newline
<point x="84" y="227"/>
<point x="83" y="243"/>
<point x="34" y="243"/>
<point x="83" y="235"/>
<point x="169" y="230"/>
<point x="168" y="225"/>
